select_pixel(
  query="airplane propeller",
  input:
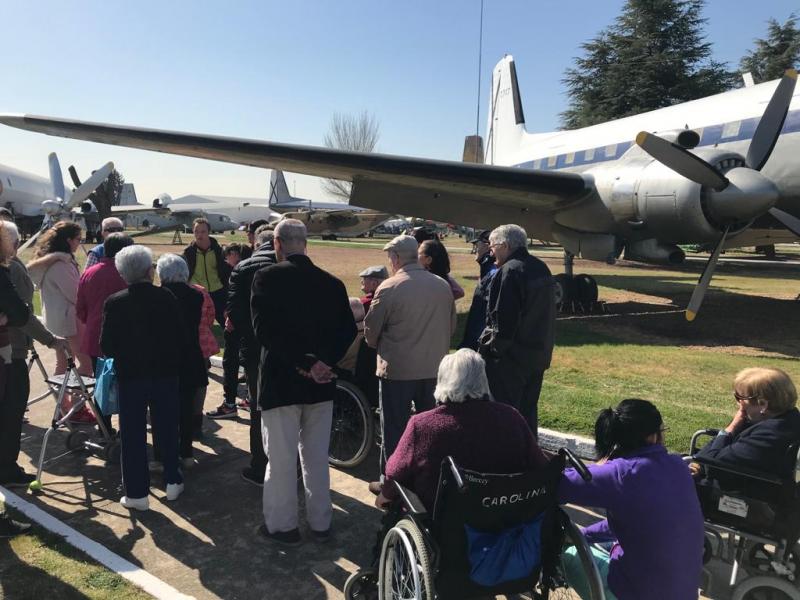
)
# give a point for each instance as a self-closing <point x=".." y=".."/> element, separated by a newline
<point x="742" y="193"/>
<point x="77" y="197"/>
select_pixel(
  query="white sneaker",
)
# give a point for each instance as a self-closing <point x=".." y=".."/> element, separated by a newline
<point x="174" y="490"/>
<point x="155" y="466"/>
<point x="135" y="503"/>
<point x="188" y="462"/>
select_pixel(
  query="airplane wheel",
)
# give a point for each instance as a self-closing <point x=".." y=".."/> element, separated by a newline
<point x="565" y="289"/>
<point x="585" y="289"/>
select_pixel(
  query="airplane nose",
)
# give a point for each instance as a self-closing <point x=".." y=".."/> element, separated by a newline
<point x="749" y="195"/>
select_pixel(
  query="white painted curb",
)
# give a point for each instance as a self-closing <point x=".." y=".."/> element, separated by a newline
<point x="552" y="440"/>
<point x="136" y="575"/>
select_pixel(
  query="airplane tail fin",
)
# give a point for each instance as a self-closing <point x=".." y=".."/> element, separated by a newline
<point x="56" y="177"/>
<point x="278" y="190"/>
<point x="506" y="121"/>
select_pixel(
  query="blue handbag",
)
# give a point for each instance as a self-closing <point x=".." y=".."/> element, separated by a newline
<point x="106" y="389"/>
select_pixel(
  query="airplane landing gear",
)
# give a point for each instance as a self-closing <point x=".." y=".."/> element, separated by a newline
<point x="576" y="293"/>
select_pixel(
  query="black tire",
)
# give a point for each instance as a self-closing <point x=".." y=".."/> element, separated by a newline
<point x="362" y="585"/>
<point x="113" y="452"/>
<point x="76" y="439"/>
<point x="585" y="289"/>
<point x="352" y="426"/>
<point x="765" y="588"/>
<point x="565" y="289"/>
<point x="396" y="566"/>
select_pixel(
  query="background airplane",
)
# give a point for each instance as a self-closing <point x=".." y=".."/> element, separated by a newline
<point x="164" y="215"/>
<point x="707" y="177"/>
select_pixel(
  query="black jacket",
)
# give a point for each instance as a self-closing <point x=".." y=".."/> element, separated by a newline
<point x="476" y="319"/>
<point x="11" y="303"/>
<point x="193" y="365"/>
<point x="143" y="331"/>
<point x="223" y="268"/>
<point x="238" y="308"/>
<point x="521" y="315"/>
<point x="301" y="314"/>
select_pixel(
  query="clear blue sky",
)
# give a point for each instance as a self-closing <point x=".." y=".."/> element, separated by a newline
<point x="279" y="70"/>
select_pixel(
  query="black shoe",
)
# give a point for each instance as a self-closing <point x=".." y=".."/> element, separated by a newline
<point x="250" y="476"/>
<point x="286" y="538"/>
<point x="322" y="536"/>
<point x="9" y="527"/>
<point x="18" y="479"/>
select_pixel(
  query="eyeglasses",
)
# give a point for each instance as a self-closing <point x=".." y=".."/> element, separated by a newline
<point x="740" y="398"/>
<point x="495" y="245"/>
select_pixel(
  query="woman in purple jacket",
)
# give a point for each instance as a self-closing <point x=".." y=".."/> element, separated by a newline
<point x="654" y="529"/>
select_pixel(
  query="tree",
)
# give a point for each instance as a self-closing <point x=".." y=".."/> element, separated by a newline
<point x="348" y="132"/>
<point x="654" y="55"/>
<point x="108" y="194"/>
<point x="772" y="56"/>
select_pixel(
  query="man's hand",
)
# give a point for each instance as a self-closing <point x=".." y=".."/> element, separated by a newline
<point x="382" y="502"/>
<point x="321" y="373"/>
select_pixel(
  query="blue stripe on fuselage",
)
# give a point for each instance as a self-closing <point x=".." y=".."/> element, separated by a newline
<point x="713" y="134"/>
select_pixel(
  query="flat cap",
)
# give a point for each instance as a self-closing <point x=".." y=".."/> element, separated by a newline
<point x="480" y="236"/>
<point x="402" y="244"/>
<point x="376" y="271"/>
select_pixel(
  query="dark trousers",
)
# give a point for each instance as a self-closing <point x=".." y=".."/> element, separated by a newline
<point x="395" y="399"/>
<point x="12" y="411"/>
<point x="220" y="299"/>
<point x="186" y="394"/>
<point x="135" y="395"/>
<point x="258" y="458"/>
<point x="230" y="367"/>
<point x="510" y="387"/>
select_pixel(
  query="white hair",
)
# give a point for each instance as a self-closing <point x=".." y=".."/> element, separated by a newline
<point x="13" y="232"/>
<point x="172" y="268"/>
<point x="134" y="263"/>
<point x="292" y="234"/>
<point x="513" y="236"/>
<point x="111" y="222"/>
<point x="462" y="375"/>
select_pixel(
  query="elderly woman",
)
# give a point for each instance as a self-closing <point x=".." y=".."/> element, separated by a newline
<point x="654" y="526"/>
<point x="143" y="332"/>
<point x="173" y="272"/>
<point x="467" y="426"/>
<point x="765" y="424"/>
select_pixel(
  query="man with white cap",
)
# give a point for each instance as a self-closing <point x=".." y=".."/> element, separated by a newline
<point x="410" y="322"/>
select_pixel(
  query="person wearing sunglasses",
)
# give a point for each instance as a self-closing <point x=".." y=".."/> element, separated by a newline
<point x="764" y="425"/>
<point x="107" y="227"/>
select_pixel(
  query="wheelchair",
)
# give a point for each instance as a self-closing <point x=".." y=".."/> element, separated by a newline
<point x="487" y="534"/>
<point x="752" y="522"/>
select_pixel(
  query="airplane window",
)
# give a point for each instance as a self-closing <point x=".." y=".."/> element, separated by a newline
<point x="551" y="161"/>
<point x="570" y="158"/>
<point x="588" y="154"/>
<point x="731" y="129"/>
<point x="537" y="164"/>
<point x="611" y="151"/>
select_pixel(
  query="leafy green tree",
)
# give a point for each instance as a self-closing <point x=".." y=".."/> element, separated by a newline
<point x="108" y="194"/>
<point x="772" y="56"/>
<point x="654" y="55"/>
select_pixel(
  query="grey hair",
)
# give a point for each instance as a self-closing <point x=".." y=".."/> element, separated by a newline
<point x="291" y="233"/>
<point x="462" y="375"/>
<point x="264" y="235"/>
<point x="111" y="222"/>
<point x="134" y="263"/>
<point x="172" y="268"/>
<point x="13" y="231"/>
<point x="513" y="236"/>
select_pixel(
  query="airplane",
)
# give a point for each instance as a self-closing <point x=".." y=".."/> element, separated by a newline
<point x="239" y="210"/>
<point x="165" y="215"/>
<point x="327" y="219"/>
<point x="693" y="173"/>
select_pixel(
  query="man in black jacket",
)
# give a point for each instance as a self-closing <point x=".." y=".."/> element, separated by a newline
<point x="517" y="343"/>
<point x="207" y="266"/>
<point x="238" y="310"/>
<point x="303" y="321"/>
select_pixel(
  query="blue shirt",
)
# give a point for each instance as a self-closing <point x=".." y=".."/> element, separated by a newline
<point x="654" y="517"/>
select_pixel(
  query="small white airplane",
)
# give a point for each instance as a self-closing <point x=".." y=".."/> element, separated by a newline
<point x="239" y="210"/>
<point x="705" y="178"/>
<point x="165" y="215"/>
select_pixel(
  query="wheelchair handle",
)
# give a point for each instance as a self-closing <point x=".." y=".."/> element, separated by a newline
<point x="460" y="485"/>
<point x="577" y="463"/>
<point x="697" y="435"/>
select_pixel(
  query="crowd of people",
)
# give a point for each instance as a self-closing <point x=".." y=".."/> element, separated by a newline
<point x="294" y="330"/>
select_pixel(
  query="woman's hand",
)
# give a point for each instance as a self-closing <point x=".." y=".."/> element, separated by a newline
<point x="696" y="470"/>
<point x="739" y="421"/>
<point x="382" y="502"/>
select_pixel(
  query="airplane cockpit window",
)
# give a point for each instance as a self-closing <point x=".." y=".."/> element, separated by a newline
<point x="551" y="162"/>
<point x="570" y="158"/>
<point x="588" y="154"/>
<point x="537" y="164"/>
<point x="731" y="130"/>
<point x="611" y="151"/>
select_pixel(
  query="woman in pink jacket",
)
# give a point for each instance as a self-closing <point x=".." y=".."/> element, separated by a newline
<point x="209" y="346"/>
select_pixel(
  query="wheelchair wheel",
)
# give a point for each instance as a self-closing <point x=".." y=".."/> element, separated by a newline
<point x="404" y="571"/>
<point x="765" y="588"/>
<point x="352" y="427"/>
<point x="558" y="589"/>
<point x="362" y="585"/>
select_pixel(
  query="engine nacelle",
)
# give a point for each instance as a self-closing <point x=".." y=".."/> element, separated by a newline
<point x="52" y="207"/>
<point x="651" y="251"/>
<point x="88" y="207"/>
<point x="162" y="201"/>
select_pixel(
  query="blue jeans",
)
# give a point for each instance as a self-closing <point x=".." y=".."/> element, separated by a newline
<point x="135" y="395"/>
<point x="576" y="576"/>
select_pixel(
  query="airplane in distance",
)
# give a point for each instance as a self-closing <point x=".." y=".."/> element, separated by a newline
<point x="326" y="219"/>
<point x="165" y="215"/>
<point x="723" y="170"/>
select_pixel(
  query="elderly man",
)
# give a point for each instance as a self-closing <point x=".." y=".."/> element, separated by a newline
<point x="371" y="278"/>
<point x="107" y="227"/>
<point x="207" y="266"/>
<point x="410" y="322"/>
<point x="476" y="319"/>
<point x="301" y="341"/>
<point x="238" y="310"/>
<point x="517" y="342"/>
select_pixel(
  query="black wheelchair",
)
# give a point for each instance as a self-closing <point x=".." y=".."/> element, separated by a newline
<point x="487" y="534"/>
<point x="752" y="523"/>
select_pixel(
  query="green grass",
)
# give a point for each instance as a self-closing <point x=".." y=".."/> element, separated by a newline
<point x="40" y="564"/>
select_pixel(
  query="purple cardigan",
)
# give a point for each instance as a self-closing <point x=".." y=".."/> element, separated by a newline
<point x="655" y="518"/>
<point x="480" y="435"/>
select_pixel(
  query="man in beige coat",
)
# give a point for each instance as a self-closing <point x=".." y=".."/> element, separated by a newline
<point x="410" y="322"/>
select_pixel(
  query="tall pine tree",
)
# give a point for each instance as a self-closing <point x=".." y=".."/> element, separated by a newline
<point x="654" y="55"/>
<point x="772" y="56"/>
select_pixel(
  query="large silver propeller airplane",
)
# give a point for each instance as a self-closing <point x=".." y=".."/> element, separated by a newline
<point x="721" y="170"/>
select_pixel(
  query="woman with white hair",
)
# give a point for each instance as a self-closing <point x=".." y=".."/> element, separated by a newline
<point x="173" y="272"/>
<point x="143" y="332"/>
<point x="466" y="425"/>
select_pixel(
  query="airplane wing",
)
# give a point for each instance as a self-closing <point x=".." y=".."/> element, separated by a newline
<point x="129" y="209"/>
<point x="435" y="189"/>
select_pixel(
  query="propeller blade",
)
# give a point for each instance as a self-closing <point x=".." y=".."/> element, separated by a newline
<point x="791" y="222"/>
<point x="705" y="279"/>
<point x="31" y="239"/>
<point x="74" y="174"/>
<point x="771" y="123"/>
<point x="56" y="177"/>
<point x="681" y="161"/>
<point x="90" y="185"/>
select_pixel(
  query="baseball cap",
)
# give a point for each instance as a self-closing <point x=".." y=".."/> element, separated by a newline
<point x="376" y="271"/>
